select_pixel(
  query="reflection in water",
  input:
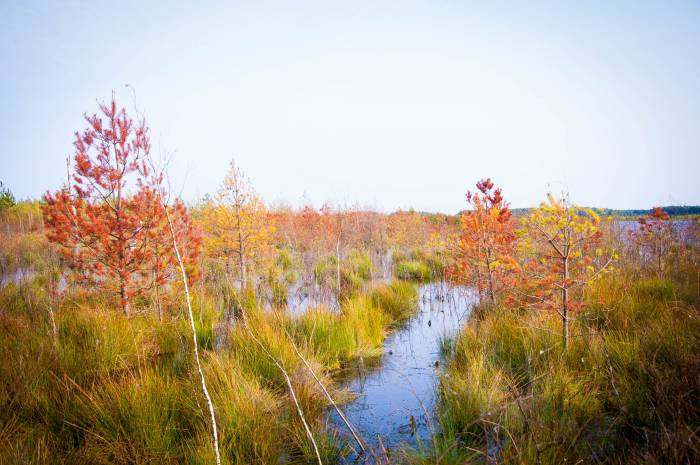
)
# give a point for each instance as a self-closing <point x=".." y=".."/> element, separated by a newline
<point x="396" y="397"/>
<point x="24" y="276"/>
<point x="17" y="277"/>
<point x="301" y="297"/>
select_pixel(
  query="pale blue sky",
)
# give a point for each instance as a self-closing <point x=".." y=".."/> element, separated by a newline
<point x="392" y="104"/>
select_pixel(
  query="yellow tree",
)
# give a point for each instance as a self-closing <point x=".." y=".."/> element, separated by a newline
<point x="237" y="225"/>
<point x="406" y="230"/>
<point x="563" y="252"/>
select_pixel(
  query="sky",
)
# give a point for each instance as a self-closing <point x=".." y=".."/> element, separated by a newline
<point x="379" y="104"/>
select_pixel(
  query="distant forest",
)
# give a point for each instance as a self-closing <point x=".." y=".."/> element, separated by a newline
<point x="672" y="210"/>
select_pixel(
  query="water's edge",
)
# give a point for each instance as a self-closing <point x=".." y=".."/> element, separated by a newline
<point x="396" y="394"/>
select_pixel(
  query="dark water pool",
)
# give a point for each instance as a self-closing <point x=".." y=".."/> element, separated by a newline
<point x="396" y="394"/>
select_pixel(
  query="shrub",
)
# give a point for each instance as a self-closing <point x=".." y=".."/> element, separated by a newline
<point x="412" y="270"/>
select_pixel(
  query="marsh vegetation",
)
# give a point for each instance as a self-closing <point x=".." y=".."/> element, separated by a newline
<point x="336" y="334"/>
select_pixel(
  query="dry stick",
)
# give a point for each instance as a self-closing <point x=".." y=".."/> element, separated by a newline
<point x="526" y="419"/>
<point x="383" y="449"/>
<point x="612" y="373"/>
<point x="160" y="309"/>
<point x="337" y="261"/>
<point x="194" y="334"/>
<point x="472" y="423"/>
<point x="192" y="383"/>
<point x="428" y="419"/>
<point x="512" y="439"/>
<point x="291" y="389"/>
<point x="53" y="322"/>
<point x="323" y="388"/>
<point x="54" y="329"/>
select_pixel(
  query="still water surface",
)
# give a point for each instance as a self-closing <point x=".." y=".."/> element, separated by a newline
<point x="396" y="394"/>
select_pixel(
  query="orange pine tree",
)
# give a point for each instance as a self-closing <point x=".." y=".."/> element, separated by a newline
<point x="108" y="217"/>
<point x="486" y="245"/>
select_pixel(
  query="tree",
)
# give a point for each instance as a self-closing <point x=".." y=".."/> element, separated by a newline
<point x="406" y="230"/>
<point x="107" y="218"/>
<point x="332" y="228"/>
<point x="312" y="238"/>
<point x="563" y="252"/>
<point x="653" y="236"/>
<point x="237" y="226"/>
<point x="7" y="200"/>
<point x="486" y="245"/>
<point x="164" y="263"/>
<point x="369" y="233"/>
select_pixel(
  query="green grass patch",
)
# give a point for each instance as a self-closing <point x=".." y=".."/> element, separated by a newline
<point x="398" y="299"/>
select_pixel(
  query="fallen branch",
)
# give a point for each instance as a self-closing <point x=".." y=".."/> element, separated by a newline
<point x="289" y="385"/>
<point x="194" y="333"/>
<point x="351" y="428"/>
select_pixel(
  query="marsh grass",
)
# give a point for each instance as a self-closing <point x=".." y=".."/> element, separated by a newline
<point x="112" y="389"/>
<point x="412" y="270"/>
<point x="31" y="251"/>
<point x="355" y="270"/>
<point x="627" y="389"/>
<point x="418" y="266"/>
<point x="358" y="331"/>
<point x="397" y="299"/>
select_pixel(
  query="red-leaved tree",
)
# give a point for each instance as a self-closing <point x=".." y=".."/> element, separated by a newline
<point x="653" y="237"/>
<point x="108" y="218"/>
<point x="486" y="245"/>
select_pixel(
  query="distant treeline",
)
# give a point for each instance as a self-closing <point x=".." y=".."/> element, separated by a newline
<point x="672" y="210"/>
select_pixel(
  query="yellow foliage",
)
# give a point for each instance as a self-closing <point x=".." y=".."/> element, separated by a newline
<point x="238" y="229"/>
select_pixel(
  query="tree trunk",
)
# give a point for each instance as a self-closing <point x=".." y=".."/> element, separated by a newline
<point x="337" y="259"/>
<point x="241" y="246"/>
<point x="155" y="285"/>
<point x="492" y="292"/>
<point x="243" y="277"/>
<point x="565" y="305"/>
<point x="124" y="297"/>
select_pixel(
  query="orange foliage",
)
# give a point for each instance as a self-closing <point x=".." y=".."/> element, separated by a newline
<point x="486" y="245"/>
<point x="115" y="239"/>
<point x="654" y="237"/>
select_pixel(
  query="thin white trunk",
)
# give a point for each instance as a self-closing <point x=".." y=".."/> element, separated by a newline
<point x="194" y="336"/>
<point x="291" y="389"/>
<point x="54" y="329"/>
<point x="351" y="428"/>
